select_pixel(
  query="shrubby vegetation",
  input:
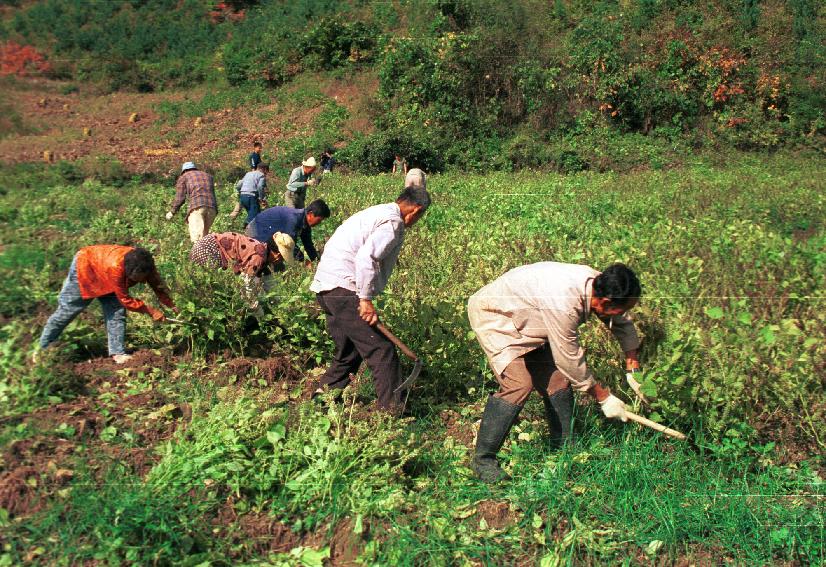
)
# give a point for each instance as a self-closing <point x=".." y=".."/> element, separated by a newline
<point x="481" y="85"/>
<point x="729" y="319"/>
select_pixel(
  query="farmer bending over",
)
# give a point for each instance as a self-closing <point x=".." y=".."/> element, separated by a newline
<point x="527" y="323"/>
<point x="356" y="264"/>
<point x="244" y="255"/>
<point x="106" y="272"/>
<point x="199" y="188"/>
<point x="295" y="223"/>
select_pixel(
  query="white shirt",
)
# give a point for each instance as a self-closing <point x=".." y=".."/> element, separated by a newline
<point x="362" y="252"/>
<point x="537" y="304"/>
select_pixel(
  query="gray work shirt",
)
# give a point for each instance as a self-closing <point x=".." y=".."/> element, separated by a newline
<point x="298" y="181"/>
<point x="254" y="183"/>
<point x="362" y="252"/>
<point x="537" y="304"/>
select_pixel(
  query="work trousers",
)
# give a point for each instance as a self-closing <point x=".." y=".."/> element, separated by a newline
<point x="200" y="221"/>
<point x="534" y="370"/>
<point x="356" y="341"/>
<point x="295" y="199"/>
<point x="71" y="303"/>
<point x="252" y="205"/>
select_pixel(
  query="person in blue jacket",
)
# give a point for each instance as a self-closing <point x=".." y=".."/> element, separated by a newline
<point x="294" y="223"/>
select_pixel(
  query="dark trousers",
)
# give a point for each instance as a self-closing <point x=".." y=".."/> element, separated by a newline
<point x="252" y="205"/>
<point x="356" y="341"/>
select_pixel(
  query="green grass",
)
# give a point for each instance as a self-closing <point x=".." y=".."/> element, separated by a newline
<point x="731" y="259"/>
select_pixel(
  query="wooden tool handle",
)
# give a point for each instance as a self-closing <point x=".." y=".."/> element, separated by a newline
<point x="396" y="341"/>
<point x="654" y="425"/>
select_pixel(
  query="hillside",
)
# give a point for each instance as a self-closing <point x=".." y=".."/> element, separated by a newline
<point x="476" y="85"/>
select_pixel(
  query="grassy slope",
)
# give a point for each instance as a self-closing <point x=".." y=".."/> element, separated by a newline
<point x="253" y="471"/>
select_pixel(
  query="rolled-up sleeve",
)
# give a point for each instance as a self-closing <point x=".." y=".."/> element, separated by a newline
<point x="569" y="356"/>
<point x="381" y="244"/>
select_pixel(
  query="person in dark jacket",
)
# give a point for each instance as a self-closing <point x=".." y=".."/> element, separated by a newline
<point x="296" y="223"/>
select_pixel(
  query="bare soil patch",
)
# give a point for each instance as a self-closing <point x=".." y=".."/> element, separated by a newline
<point x="259" y="533"/>
<point x="272" y="370"/>
<point x="496" y="513"/>
<point x="346" y="545"/>
<point x="461" y="431"/>
<point x="31" y="468"/>
<point x="86" y="124"/>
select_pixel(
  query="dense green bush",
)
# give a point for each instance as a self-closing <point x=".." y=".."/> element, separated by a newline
<point x="124" y="45"/>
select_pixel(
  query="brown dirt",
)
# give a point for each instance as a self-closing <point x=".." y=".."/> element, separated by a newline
<point x="99" y="370"/>
<point x="460" y="430"/>
<point x="36" y="451"/>
<point x="259" y="533"/>
<point x="346" y="546"/>
<point x="793" y="442"/>
<point x="273" y="370"/>
<point x="16" y="494"/>
<point x="57" y="121"/>
<point x="496" y="513"/>
<point x="149" y="415"/>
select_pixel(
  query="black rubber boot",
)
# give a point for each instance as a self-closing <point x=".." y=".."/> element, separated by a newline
<point x="559" y="408"/>
<point x="496" y="423"/>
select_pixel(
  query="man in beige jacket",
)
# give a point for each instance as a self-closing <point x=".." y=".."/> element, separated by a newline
<point x="527" y="323"/>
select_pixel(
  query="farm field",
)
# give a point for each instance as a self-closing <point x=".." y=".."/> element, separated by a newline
<point x="205" y="450"/>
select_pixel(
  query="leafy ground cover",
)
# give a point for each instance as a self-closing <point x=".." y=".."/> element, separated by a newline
<point x="205" y="450"/>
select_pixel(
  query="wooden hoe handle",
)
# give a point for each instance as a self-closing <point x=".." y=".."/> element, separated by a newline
<point x="654" y="425"/>
<point x="396" y="341"/>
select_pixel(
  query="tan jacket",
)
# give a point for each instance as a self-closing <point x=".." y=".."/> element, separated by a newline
<point x="537" y="304"/>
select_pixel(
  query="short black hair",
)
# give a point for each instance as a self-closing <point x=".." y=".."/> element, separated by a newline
<point x="618" y="283"/>
<point x="415" y="196"/>
<point x="319" y="208"/>
<point x="257" y="144"/>
<point x="138" y="261"/>
<point x="262" y="166"/>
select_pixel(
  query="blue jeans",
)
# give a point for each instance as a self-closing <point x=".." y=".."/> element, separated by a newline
<point x="252" y="206"/>
<point x="69" y="305"/>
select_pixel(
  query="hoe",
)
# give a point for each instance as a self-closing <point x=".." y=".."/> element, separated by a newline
<point x="417" y="362"/>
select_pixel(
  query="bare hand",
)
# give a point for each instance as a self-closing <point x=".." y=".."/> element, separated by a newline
<point x="157" y="316"/>
<point x="367" y="311"/>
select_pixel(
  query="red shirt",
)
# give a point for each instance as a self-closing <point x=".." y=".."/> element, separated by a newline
<point x="100" y="271"/>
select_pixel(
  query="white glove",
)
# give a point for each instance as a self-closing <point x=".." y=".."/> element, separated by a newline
<point x="613" y="408"/>
<point x="169" y="215"/>
<point x="312" y="182"/>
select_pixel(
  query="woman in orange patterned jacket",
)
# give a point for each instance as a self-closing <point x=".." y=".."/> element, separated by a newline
<point x="250" y="258"/>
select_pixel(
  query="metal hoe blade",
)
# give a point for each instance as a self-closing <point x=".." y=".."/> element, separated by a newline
<point x="417" y="369"/>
